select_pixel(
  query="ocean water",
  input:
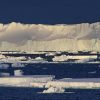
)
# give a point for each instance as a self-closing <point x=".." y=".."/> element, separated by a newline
<point x="60" y="71"/>
<point x="12" y="93"/>
<point x="64" y="70"/>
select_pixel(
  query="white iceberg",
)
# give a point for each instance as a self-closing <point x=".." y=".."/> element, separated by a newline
<point x="54" y="90"/>
<point x="38" y="37"/>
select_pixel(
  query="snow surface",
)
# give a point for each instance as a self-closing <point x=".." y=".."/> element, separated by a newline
<point x="26" y="81"/>
<point x="79" y="58"/>
<point x="75" y="83"/>
<point x="38" y="37"/>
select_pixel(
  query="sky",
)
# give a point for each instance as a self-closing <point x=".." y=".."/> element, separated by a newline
<point x="49" y="11"/>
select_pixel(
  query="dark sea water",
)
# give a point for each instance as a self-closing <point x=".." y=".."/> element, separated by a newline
<point x="60" y="71"/>
<point x="64" y="70"/>
<point x="12" y="93"/>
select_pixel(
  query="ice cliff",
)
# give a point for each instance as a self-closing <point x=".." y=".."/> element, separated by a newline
<point x="60" y="37"/>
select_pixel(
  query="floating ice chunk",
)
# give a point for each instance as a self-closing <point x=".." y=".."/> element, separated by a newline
<point x="54" y="90"/>
<point x="4" y="66"/>
<point x="18" y="65"/>
<point x="51" y="54"/>
<point x="18" y="72"/>
<point x="4" y="74"/>
<point x="60" y="58"/>
<point x="38" y="58"/>
<point x="2" y="56"/>
<point x="38" y="84"/>
<point x="93" y="72"/>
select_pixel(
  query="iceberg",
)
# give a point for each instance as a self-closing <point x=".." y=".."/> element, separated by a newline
<point x="39" y="37"/>
<point x="54" y="90"/>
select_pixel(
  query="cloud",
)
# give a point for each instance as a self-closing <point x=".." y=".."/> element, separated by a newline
<point x="18" y="33"/>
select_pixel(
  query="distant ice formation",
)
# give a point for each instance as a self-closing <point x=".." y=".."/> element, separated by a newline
<point x="38" y="37"/>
